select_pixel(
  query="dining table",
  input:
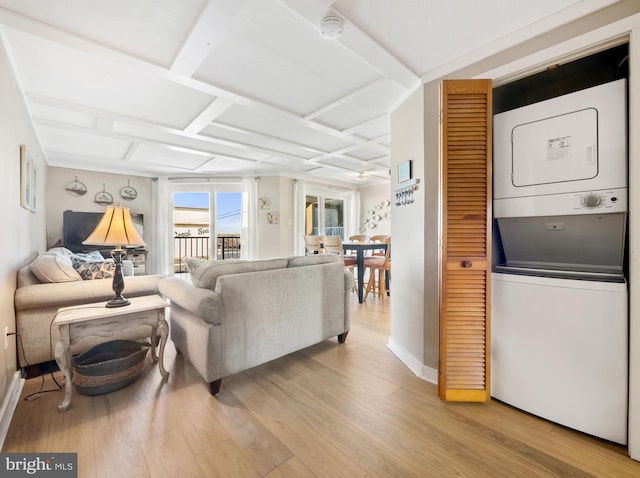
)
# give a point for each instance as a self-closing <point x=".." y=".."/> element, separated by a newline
<point x="360" y="248"/>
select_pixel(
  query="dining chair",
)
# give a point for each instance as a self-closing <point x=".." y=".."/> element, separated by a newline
<point x="362" y="238"/>
<point x="381" y="238"/>
<point x="378" y="267"/>
<point x="359" y="238"/>
<point x="333" y="245"/>
<point x="313" y="245"/>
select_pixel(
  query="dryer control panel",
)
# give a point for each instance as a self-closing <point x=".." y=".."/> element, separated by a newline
<point x="599" y="199"/>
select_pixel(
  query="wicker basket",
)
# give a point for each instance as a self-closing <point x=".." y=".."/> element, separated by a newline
<point x="109" y="366"/>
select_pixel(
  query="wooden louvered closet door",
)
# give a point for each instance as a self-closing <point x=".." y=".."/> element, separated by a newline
<point x="465" y="304"/>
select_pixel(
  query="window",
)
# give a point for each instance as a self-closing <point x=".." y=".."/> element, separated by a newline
<point x="206" y="223"/>
<point x="325" y="216"/>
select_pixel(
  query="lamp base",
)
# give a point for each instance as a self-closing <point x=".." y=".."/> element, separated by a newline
<point x="118" y="281"/>
<point x="117" y="302"/>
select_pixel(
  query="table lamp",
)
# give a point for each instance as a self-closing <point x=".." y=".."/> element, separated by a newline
<point x="116" y="229"/>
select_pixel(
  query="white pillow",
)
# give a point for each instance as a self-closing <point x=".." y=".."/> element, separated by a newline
<point x="60" y="250"/>
<point x="89" y="256"/>
<point x="54" y="268"/>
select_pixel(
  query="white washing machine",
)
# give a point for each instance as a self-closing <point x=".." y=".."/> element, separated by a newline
<point x="559" y="317"/>
<point x="559" y="351"/>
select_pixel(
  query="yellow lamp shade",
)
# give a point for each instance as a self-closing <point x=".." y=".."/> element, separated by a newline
<point x="115" y="229"/>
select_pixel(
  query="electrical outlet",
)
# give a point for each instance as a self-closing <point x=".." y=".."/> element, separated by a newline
<point x="6" y="337"/>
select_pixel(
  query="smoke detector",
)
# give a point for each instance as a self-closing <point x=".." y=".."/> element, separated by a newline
<point x="331" y="26"/>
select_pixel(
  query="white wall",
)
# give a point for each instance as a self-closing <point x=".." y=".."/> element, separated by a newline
<point x="408" y="236"/>
<point x="374" y="213"/>
<point x="24" y="233"/>
<point x="276" y="240"/>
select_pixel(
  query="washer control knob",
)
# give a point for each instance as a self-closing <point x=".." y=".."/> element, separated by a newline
<point x="591" y="200"/>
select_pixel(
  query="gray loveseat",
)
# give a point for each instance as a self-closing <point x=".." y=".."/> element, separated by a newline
<point x="234" y="315"/>
<point x="50" y="282"/>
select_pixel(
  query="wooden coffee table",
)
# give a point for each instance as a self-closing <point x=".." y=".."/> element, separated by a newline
<point x="95" y="320"/>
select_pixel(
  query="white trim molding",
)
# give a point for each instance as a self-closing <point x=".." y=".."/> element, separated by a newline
<point x="422" y="371"/>
<point x="9" y="405"/>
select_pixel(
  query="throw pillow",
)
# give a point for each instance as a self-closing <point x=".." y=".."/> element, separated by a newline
<point x="60" y="251"/>
<point x="91" y="256"/>
<point x="90" y="270"/>
<point x="53" y="268"/>
<point x="193" y="263"/>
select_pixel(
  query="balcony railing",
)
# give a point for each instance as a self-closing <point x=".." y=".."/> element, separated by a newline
<point x="329" y="231"/>
<point x="228" y="247"/>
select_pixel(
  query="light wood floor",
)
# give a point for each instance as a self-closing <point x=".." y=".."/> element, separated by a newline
<point x="351" y="410"/>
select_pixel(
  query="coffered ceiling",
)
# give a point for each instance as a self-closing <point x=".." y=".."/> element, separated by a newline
<point x="245" y="87"/>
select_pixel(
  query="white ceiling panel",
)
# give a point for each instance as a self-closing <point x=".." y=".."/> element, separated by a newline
<point x="366" y="153"/>
<point x="180" y="160"/>
<point x="451" y="29"/>
<point x="280" y="162"/>
<point x="150" y="29"/>
<point x="62" y="116"/>
<point x="376" y="129"/>
<point x="346" y="163"/>
<point x="288" y="128"/>
<point x="192" y="87"/>
<point x="101" y="83"/>
<point x="377" y="100"/>
<point x="259" y="141"/>
<point x="88" y="145"/>
<point x="231" y="165"/>
<point x="272" y="56"/>
<point x="196" y="144"/>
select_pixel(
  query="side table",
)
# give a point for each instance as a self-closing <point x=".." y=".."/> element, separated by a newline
<point x="95" y="320"/>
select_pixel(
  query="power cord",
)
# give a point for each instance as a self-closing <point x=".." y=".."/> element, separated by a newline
<point x="34" y="395"/>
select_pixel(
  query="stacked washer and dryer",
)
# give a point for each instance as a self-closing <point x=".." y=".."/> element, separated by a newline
<point x="559" y="322"/>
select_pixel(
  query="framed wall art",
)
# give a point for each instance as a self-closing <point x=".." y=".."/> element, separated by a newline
<point x="272" y="217"/>
<point x="404" y="171"/>
<point x="264" y="203"/>
<point x="128" y="192"/>
<point x="28" y="177"/>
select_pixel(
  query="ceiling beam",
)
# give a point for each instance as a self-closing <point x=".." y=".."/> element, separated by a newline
<point x="212" y="25"/>
<point x="209" y="114"/>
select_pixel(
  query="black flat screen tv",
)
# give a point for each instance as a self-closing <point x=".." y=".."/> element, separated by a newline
<point x="77" y="226"/>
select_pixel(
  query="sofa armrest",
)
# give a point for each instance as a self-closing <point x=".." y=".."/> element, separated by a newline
<point x="202" y="302"/>
<point x="349" y="280"/>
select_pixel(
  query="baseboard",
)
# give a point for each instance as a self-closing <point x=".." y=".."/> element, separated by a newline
<point x="427" y="374"/>
<point x="9" y="405"/>
<point x="430" y="374"/>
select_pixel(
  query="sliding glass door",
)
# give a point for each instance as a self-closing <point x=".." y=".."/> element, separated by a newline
<point x="206" y="223"/>
<point x="325" y="216"/>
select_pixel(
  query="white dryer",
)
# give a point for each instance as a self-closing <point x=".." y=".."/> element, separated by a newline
<point x="574" y="144"/>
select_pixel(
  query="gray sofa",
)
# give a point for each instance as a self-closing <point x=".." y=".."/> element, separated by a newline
<point x="233" y="315"/>
<point x="45" y="285"/>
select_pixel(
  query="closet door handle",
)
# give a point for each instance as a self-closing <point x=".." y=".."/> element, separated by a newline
<point x="467" y="264"/>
